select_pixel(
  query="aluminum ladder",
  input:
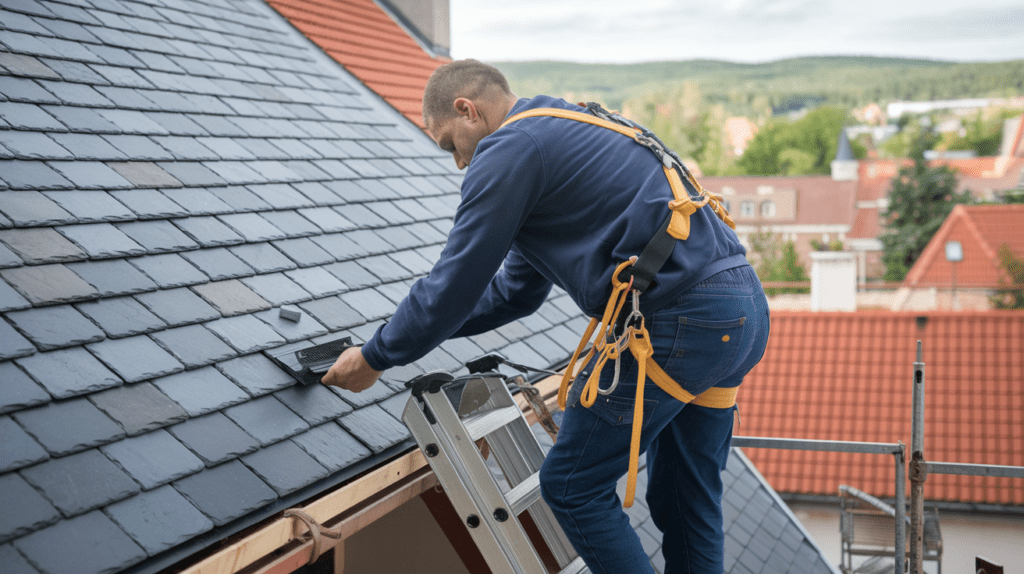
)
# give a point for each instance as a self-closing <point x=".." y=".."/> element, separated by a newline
<point x="446" y="416"/>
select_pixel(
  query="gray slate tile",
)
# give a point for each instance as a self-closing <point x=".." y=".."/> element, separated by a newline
<point x="292" y="331"/>
<point x="332" y="446"/>
<point x="316" y="404"/>
<point x="19" y="389"/>
<point x="376" y="393"/>
<point x="218" y="263"/>
<point x="246" y="333"/>
<point x="31" y="208"/>
<point x="69" y="372"/>
<point x="149" y="204"/>
<point x="201" y="391"/>
<point x="76" y="94"/>
<point x="285" y="467"/>
<point x="317" y="281"/>
<point x="257" y="374"/>
<point x="252" y="227"/>
<point x="91" y="206"/>
<point x="178" y="306"/>
<point x="281" y="196"/>
<point x="192" y="173"/>
<point x="25" y="509"/>
<point x="157" y="236"/>
<point x="263" y="257"/>
<point x="208" y="231"/>
<point x="8" y="257"/>
<point x="14" y="562"/>
<point x="136" y="457"/>
<point x="169" y="270"/>
<point x="241" y="199"/>
<point x="352" y="274"/>
<point x="81" y="482"/>
<point x="144" y="174"/>
<point x="385" y="268"/>
<point x="121" y="316"/>
<point x="133" y="122"/>
<point x="40" y="245"/>
<point x="369" y="303"/>
<point x="135" y="358"/>
<point x="159" y="520"/>
<point x="333" y="312"/>
<point x="198" y="201"/>
<point x="90" y="175"/>
<point x="226" y="492"/>
<point x="113" y="277"/>
<point x="22" y="89"/>
<point x="375" y="428"/>
<point x="277" y="289"/>
<point x="20" y="449"/>
<point x="231" y="297"/>
<point x="98" y="545"/>
<point x="32" y="145"/>
<point x="70" y="71"/>
<point x="194" y="345"/>
<point x="266" y="419"/>
<point x="141" y="148"/>
<point x="69" y="426"/>
<point x="55" y="327"/>
<point x="304" y="252"/>
<point x="138" y="408"/>
<point x="28" y="117"/>
<point x="214" y="437"/>
<point x="184" y="148"/>
<point x="101" y="240"/>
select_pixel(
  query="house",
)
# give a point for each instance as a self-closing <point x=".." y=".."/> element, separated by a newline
<point x="172" y="174"/>
<point x="980" y="231"/>
<point x="848" y="376"/>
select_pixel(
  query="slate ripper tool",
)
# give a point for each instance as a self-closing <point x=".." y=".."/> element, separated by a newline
<point x="309" y="363"/>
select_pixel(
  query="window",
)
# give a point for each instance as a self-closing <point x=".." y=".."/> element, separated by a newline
<point x="747" y="209"/>
<point x="768" y="209"/>
<point x="727" y="205"/>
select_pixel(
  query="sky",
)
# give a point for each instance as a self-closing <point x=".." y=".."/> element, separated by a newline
<point x="628" y="31"/>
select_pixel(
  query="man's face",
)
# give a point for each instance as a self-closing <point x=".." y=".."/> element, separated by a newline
<point x="459" y="136"/>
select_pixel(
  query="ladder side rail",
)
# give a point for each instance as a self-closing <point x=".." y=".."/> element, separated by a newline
<point x="480" y="487"/>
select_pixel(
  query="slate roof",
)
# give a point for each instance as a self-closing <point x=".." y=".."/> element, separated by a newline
<point x="981" y="231"/>
<point x="369" y="43"/>
<point x="847" y="376"/>
<point x="172" y="172"/>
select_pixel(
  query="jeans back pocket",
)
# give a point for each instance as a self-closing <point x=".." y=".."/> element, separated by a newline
<point x="704" y="351"/>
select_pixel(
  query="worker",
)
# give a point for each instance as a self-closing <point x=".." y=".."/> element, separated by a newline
<point x="548" y="200"/>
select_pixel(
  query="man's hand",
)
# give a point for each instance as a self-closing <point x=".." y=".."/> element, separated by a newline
<point x="352" y="372"/>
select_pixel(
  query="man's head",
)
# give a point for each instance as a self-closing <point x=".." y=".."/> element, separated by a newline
<point x="464" y="102"/>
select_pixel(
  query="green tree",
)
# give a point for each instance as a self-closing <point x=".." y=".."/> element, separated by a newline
<point x="777" y="261"/>
<point x="1012" y="297"/>
<point x="805" y="146"/>
<point x="920" y="198"/>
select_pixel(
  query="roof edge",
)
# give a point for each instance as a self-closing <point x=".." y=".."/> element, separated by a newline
<point x="432" y="49"/>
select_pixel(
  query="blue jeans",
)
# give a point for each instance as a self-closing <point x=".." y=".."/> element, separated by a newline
<point x="710" y="337"/>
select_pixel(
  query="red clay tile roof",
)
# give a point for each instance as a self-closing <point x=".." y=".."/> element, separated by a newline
<point x="372" y="46"/>
<point x="847" y="376"/>
<point x="981" y="230"/>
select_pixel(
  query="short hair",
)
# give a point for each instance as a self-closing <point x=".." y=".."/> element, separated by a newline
<point x="459" y="79"/>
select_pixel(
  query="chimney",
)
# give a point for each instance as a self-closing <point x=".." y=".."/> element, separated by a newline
<point x="833" y="281"/>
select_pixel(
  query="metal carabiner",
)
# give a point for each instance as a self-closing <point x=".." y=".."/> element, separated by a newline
<point x="621" y="344"/>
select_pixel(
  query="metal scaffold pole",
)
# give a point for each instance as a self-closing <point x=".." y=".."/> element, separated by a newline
<point x="918" y="469"/>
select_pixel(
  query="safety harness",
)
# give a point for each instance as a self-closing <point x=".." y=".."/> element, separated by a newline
<point x="631" y="279"/>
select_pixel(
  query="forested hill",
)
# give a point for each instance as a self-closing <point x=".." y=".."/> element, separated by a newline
<point x="784" y="85"/>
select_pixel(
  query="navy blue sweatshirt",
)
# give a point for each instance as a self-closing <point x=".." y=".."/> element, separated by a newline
<point x="557" y="202"/>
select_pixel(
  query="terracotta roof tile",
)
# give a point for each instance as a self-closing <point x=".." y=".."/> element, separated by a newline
<point x="847" y="376"/>
<point x="981" y="230"/>
<point x="364" y="39"/>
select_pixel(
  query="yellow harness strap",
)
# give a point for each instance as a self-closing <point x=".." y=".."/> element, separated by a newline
<point x="636" y="338"/>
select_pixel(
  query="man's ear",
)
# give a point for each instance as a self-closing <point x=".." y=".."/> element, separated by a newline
<point x="466" y="108"/>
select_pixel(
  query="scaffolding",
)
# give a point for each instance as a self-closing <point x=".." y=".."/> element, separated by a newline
<point x="920" y="468"/>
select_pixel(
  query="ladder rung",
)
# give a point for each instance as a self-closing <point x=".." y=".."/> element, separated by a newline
<point x="577" y="566"/>
<point x="524" y="494"/>
<point x="484" y="424"/>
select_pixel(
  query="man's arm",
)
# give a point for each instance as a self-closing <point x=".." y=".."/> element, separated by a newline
<point x="516" y="291"/>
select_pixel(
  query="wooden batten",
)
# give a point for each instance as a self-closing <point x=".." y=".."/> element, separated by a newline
<point x="281" y="546"/>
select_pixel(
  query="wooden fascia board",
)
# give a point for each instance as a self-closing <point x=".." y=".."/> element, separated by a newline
<point x="281" y="546"/>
